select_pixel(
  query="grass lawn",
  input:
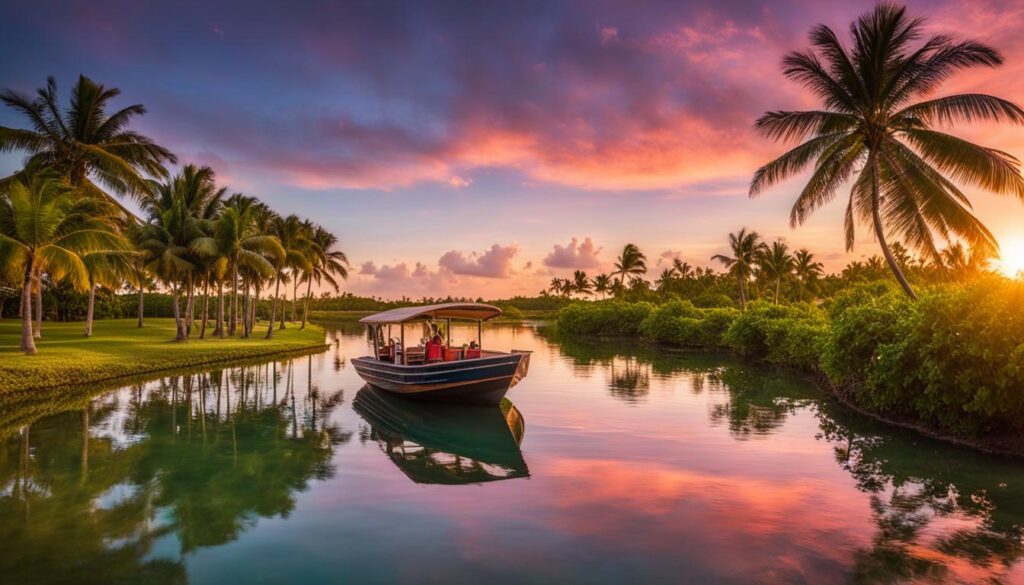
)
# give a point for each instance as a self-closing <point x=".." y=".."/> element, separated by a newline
<point x="118" y="348"/>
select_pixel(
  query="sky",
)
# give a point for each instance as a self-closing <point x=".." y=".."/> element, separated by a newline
<point x="483" y="148"/>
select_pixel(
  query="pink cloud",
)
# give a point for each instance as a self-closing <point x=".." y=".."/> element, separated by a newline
<point x="575" y="255"/>
<point x="495" y="262"/>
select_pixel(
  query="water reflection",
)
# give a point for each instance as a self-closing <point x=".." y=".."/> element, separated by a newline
<point x="445" y="444"/>
<point x="122" y="489"/>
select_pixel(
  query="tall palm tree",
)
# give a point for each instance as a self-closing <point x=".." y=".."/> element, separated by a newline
<point x="602" y="283"/>
<point x="807" y="269"/>
<point x="240" y="240"/>
<point x="632" y="262"/>
<point x="45" y="224"/>
<point x="872" y="129"/>
<point x="82" y="142"/>
<point x="777" y="263"/>
<point x="327" y="262"/>
<point x="744" y="246"/>
<point x="581" y="284"/>
<point x="295" y="244"/>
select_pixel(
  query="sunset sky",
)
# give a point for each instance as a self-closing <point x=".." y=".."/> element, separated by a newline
<point x="480" y="148"/>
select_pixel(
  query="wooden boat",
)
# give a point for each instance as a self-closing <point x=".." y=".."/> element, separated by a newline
<point x="438" y="371"/>
<point x="445" y="444"/>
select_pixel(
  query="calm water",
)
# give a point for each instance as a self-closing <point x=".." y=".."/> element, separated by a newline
<point x="616" y="464"/>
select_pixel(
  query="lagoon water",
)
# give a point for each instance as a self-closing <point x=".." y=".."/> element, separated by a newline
<point x="611" y="463"/>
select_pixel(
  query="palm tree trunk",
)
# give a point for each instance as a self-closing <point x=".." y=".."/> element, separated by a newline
<point x="876" y="219"/>
<point x="90" y="310"/>
<point x="28" y="344"/>
<point x="295" y="294"/>
<point x="246" y="310"/>
<point x="273" y="307"/>
<point x="141" y="301"/>
<point x="255" y="303"/>
<point x="283" y="310"/>
<point x="743" y="291"/>
<point x="305" y="308"/>
<point x="234" y="298"/>
<point x="189" y="288"/>
<point x="206" y="305"/>
<point x="178" y="324"/>
<point x="778" y="283"/>
<point x="218" y="331"/>
<point x="38" y="333"/>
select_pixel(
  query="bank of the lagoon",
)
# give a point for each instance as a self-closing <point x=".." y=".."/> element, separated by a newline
<point x="620" y="462"/>
<point x="950" y="365"/>
<point x="119" y="348"/>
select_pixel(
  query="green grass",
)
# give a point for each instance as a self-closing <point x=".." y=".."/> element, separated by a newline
<point x="119" y="349"/>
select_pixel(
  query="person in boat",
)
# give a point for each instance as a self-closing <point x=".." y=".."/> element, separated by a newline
<point x="432" y="352"/>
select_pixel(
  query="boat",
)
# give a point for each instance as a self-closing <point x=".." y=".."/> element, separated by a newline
<point x="434" y="369"/>
<point x="450" y="444"/>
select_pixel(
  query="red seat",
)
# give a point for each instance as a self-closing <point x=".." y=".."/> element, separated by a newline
<point x="433" y="353"/>
<point x="450" y="354"/>
<point x="472" y="353"/>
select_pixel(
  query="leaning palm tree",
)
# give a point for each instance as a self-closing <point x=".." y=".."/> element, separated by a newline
<point x="82" y="142"/>
<point x="602" y="284"/>
<point x="807" y="270"/>
<point x="776" y="263"/>
<point x="906" y="175"/>
<point x="45" y="224"/>
<point x="745" y="246"/>
<point x="632" y="262"/>
<point x="581" y="284"/>
<point x="327" y="264"/>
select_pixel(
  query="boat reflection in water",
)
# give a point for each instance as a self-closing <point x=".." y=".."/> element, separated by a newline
<point x="445" y="444"/>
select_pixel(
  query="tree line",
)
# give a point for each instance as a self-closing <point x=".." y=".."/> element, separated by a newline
<point x="62" y="224"/>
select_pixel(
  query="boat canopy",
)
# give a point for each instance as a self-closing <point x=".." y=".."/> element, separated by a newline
<point x="468" y="311"/>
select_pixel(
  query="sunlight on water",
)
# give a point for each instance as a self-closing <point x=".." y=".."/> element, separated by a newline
<point x="611" y="462"/>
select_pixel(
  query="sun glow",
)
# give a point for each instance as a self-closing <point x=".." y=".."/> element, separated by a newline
<point x="1011" y="257"/>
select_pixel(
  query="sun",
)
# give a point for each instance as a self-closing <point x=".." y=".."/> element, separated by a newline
<point x="1011" y="257"/>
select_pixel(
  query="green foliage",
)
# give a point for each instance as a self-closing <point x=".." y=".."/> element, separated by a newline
<point x="681" y="323"/>
<point x="709" y="300"/>
<point x="510" y="313"/>
<point x="782" y="334"/>
<point x="604" y="318"/>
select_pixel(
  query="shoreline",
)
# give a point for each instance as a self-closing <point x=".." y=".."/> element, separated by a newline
<point x="118" y="351"/>
<point x="991" y="445"/>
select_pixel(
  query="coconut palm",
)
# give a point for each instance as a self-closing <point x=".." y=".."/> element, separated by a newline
<point x="632" y="262"/>
<point x="776" y="263"/>
<point x="807" y="270"/>
<point x="957" y="259"/>
<point x="245" y="247"/>
<point x="602" y="284"/>
<point x="295" y="244"/>
<point x="907" y="176"/>
<point x="46" y="225"/>
<point x="665" y="280"/>
<point x="745" y="246"/>
<point x="109" y="268"/>
<point x="82" y="142"/>
<point x="581" y="284"/>
<point x="682" y="269"/>
<point x="327" y="264"/>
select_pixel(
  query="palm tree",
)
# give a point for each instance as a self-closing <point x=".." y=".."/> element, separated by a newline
<point x="683" y="269"/>
<point x="240" y="240"/>
<point x="580" y="283"/>
<point x="46" y="225"/>
<point x="807" y="269"/>
<point x="668" y="275"/>
<point x="327" y="263"/>
<point x="962" y="262"/>
<point x="108" y="268"/>
<point x="295" y="244"/>
<point x="631" y="262"/>
<point x="872" y="129"/>
<point x="745" y="246"/>
<point x="602" y="283"/>
<point x="777" y="263"/>
<point x="557" y="287"/>
<point x="82" y="142"/>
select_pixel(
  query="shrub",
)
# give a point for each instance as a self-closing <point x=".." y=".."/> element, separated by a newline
<point x="713" y="300"/>
<point x="603" y="318"/>
<point x="764" y="329"/>
<point x="681" y="323"/>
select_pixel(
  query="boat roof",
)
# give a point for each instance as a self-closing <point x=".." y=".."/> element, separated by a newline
<point x="469" y="311"/>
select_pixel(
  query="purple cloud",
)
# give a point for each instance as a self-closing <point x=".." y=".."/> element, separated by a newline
<point x="575" y="255"/>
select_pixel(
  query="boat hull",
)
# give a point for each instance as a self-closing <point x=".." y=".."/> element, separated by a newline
<point x="477" y="381"/>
